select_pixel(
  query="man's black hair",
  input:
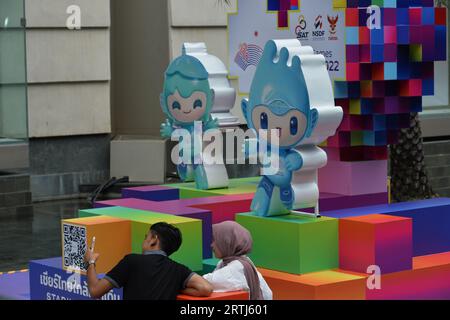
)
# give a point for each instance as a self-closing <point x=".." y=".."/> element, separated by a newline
<point x="169" y="236"/>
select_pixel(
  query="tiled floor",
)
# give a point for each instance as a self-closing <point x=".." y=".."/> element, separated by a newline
<point x="34" y="234"/>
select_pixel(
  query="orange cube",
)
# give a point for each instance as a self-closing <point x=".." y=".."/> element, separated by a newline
<point x="323" y="285"/>
<point x="113" y="242"/>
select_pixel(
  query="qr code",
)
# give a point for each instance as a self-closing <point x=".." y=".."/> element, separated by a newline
<point x="74" y="247"/>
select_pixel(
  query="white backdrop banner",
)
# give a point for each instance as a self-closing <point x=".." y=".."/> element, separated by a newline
<point x="315" y="24"/>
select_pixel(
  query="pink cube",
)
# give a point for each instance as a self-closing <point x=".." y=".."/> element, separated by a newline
<point x="390" y="34"/>
<point x="375" y="240"/>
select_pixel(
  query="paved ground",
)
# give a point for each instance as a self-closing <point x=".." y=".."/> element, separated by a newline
<point x="34" y="234"/>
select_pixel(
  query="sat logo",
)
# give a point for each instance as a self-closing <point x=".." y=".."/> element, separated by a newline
<point x="300" y="29"/>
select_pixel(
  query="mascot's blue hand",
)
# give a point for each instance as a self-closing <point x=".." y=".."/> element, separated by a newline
<point x="212" y="124"/>
<point x="294" y="161"/>
<point x="166" y="129"/>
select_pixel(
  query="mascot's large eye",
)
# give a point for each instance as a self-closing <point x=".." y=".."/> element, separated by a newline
<point x="176" y="105"/>
<point x="294" y="126"/>
<point x="198" y="104"/>
<point x="264" y="121"/>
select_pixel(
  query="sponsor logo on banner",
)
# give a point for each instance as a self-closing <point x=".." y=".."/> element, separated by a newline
<point x="248" y="55"/>
<point x="300" y="29"/>
<point x="318" y="24"/>
<point x="333" y="20"/>
<point x="318" y="33"/>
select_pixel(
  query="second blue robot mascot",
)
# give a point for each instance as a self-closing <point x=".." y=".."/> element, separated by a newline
<point x="187" y="98"/>
<point x="279" y="100"/>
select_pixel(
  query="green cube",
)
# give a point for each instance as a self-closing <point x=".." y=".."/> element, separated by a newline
<point x="187" y="192"/>
<point x="190" y="252"/>
<point x="209" y="265"/>
<point x="293" y="243"/>
<point x="236" y="186"/>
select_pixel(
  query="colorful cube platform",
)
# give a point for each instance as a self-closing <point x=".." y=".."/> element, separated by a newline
<point x="381" y="240"/>
<point x="300" y="257"/>
<point x="225" y="207"/>
<point x="323" y="285"/>
<point x="293" y="244"/>
<point x="49" y="281"/>
<point x="113" y="240"/>
<point x="430" y="218"/>
<point x="190" y="252"/>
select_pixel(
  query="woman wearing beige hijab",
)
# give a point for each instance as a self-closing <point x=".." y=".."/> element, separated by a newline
<point x="235" y="271"/>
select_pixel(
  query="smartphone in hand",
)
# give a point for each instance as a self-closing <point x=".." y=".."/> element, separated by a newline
<point x="93" y="244"/>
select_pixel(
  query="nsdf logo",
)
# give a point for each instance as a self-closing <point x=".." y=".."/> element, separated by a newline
<point x="318" y="26"/>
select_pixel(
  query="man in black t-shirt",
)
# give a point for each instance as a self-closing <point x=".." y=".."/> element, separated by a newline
<point x="151" y="275"/>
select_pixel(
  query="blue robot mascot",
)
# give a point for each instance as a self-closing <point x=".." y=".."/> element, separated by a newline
<point x="279" y="101"/>
<point x="186" y="99"/>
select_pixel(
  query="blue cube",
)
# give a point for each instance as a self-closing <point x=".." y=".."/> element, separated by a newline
<point x="390" y="70"/>
<point x="352" y="35"/>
